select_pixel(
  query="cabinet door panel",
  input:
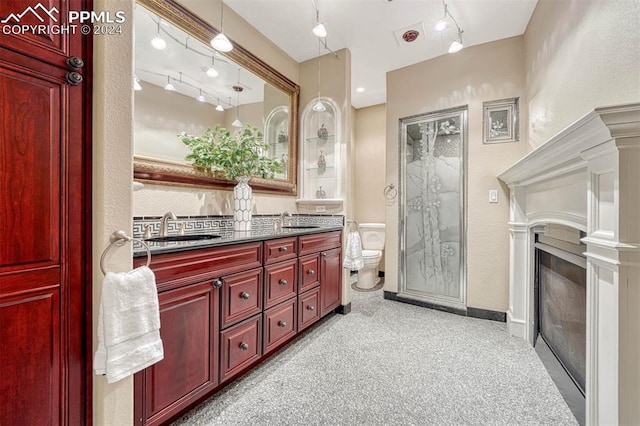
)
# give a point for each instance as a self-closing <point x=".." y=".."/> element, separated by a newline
<point x="241" y="346"/>
<point x="280" y="249"/>
<point x="308" y="308"/>
<point x="241" y="296"/>
<point x="309" y="272"/>
<point x="188" y="331"/>
<point x="331" y="280"/>
<point x="280" y="282"/>
<point x="279" y="325"/>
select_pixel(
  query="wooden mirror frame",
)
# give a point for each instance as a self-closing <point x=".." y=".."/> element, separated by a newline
<point x="159" y="171"/>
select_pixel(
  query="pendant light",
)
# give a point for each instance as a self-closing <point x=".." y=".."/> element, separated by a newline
<point x="158" y="42"/>
<point x="238" y="89"/>
<point x="220" y="42"/>
<point x="170" y="87"/>
<point x="200" y="97"/>
<point x="443" y="24"/>
<point x="319" y="106"/>
<point x="219" y="107"/>
<point x="212" y="72"/>
<point x="456" y="45"/>
<point x="319" y="30"/>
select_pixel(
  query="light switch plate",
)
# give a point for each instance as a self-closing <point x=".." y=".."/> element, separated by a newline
<point x="321" y="209"/>
<point x="493" y="195"/>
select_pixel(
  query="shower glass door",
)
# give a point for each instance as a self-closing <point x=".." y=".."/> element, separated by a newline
<point x="432" y="207"/>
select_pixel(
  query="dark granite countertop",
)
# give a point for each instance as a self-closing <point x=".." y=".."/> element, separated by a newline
<point x="228" y="238"/>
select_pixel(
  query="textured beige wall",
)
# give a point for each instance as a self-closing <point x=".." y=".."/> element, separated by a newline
<point x="369" y="163"/>
<point x="481" y="73"/>
<point x="580" y="54"/>
<point x="112" y="171"/>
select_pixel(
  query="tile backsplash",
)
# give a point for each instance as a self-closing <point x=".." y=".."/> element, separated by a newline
<point x="219" y="224"/>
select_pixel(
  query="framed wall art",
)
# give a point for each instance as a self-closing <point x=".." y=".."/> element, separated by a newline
<point x="500" y="121"/>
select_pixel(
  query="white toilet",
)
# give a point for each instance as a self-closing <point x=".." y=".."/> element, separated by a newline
<point x="372" y="235"/>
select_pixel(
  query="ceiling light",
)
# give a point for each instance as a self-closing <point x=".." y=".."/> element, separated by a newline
<point x="200" y="97"/>
<point x="238" y="89"/>
<point x="319" y="106"/>
<point x="212" y="72"/>
<point x="319" y="30"/>
<point x="441" y="25"/>
<point x="170" y="87"/>
<point x="221" y="42"/>
<point x="360" y="89"/>
<point x="456" y="45"/>
<point x="136" y="83"/>
<point x="219" y="107"/>
<point x="158" y="42"/>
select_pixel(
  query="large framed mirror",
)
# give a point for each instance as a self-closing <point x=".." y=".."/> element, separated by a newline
<point x="183" y="85"/>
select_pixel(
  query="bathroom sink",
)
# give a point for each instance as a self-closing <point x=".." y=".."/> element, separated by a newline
<point x="300" y="226"/>
<point x="194" y="237"/>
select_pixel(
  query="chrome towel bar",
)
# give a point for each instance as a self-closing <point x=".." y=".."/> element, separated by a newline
<point x="118" y="239"/>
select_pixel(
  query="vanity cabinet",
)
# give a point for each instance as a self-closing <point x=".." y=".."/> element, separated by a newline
<point x="223" y="309"/>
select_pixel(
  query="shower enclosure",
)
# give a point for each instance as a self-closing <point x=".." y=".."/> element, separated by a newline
<point x="432" y="208"/>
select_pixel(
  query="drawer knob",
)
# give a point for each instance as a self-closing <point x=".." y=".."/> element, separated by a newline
<point x="284" y="249"/>
<point x="324" y="254"/>
<point x="282" y="324"/>
<point x="311" y="272"/>
<point x="283" y="282"/>
<point x="244" y="346"/>
<point x="217" y="283"/>
<point x="310" y="308"/>
<point x="244" y="295"/>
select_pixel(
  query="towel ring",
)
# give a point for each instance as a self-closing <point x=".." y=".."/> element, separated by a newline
<point x="118" y="239"/>
<point x="390" y="192"/>
<point x="351" y="223"/>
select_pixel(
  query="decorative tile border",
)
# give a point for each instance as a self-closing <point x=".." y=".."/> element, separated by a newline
<point x="221" y="224"/>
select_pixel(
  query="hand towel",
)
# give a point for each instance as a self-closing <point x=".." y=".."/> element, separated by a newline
<point x="128" y="324"/>
<point x="353" y="252"/>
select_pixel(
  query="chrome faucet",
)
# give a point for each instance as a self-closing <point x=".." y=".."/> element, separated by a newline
<point x="164" y="229"/>
<point x="283" y="216"/>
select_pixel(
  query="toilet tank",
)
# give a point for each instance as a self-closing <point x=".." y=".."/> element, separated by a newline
<point x="372" y="235"/>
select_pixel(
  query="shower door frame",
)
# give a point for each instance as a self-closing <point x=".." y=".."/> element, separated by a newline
<point x="458" y="303"/>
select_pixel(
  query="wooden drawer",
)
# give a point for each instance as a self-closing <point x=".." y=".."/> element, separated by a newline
<point x="308" y="308"/>
<point x="280" y="249"/>
<point x="178" y="269"/>
<point x="279" y="282"/>
<point x="241" y="296"/>
<point x="279" y="325"/>
<point x="241" y="346"/>
<point x="309" y="275"/>
<point x="318" y="242"/>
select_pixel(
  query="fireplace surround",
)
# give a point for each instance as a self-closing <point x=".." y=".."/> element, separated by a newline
<point x="587" y="178"/>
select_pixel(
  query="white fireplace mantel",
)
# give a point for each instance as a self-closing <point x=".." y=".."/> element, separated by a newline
<point x="588" y="177"/>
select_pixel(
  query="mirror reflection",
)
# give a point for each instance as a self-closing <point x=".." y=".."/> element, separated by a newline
<point x="183" y="85"/>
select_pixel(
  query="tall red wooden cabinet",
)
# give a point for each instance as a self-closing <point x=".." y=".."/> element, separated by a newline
<point x="45" y="285"/>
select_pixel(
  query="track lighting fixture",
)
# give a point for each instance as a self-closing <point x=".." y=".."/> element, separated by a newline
<point x="212" y="71"/>
<point x="158" y="42"/>
<point x="319" y="106"/>
<point x="238" y="89"/>
<point x="219" y="107"/>
<point x="319" y="30"/>
<point x="220" y="42"/>
<point x="170" y="87"/>
<point x="443" y="24"/>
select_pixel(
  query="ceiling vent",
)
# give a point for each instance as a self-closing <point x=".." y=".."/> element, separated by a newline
<point x="413" y="35"/>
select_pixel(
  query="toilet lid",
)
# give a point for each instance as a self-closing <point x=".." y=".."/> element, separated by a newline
<point x="371" y="253"/>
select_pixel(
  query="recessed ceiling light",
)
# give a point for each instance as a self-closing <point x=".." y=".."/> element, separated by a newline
<point x="360" y="89"/>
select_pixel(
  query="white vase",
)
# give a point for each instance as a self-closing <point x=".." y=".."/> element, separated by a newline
<point x="242" y="200"/>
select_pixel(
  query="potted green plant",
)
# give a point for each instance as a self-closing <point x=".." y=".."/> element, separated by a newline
<point x="237" y="155"/>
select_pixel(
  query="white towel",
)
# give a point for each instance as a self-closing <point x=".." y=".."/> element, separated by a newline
<point x="353" y="252"/>
<point x="128" y="324"/>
